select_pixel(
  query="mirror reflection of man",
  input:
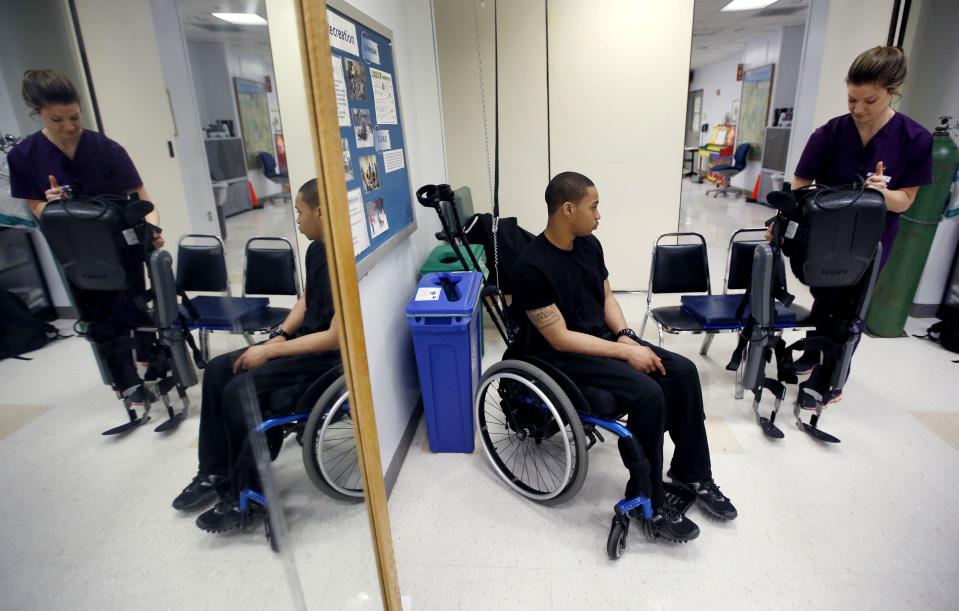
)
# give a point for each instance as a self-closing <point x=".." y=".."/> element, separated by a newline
<point x="561" y="282"/>
<point x="299" y="351"/>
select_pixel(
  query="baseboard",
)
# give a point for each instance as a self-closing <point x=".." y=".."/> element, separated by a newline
<point x="399" y="457"/>
<point x="924" y="310"/>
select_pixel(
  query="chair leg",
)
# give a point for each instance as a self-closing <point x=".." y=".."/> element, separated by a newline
<point x="249" y="338"/>
<point x="661" y="336"/>
<point x="707" y="342"/>
<point x="205" y="344"/>
<point x="642" y="329"/>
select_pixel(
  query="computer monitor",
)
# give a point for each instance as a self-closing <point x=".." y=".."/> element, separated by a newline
<point x="226" y="158"/>
<point x="775" y="148"/>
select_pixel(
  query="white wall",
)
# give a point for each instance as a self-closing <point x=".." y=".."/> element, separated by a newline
<point x="782" y="48"/>
<point x="188" y="139"/>
<point x="389" y="286"/>
<point x="214" y="65"/>
<point x="35" y="35"/>
<point x="616" y="108"/>
<point x="932" y="90"/>
<point x="128" y="80"/>
<point x="831" y="44"/>
<point x="720" y="89"/>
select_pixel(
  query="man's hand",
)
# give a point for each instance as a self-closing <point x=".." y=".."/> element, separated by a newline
<point x="877" y="181"/>
<point x="54" y="193"/>
<point x="158" y="240"/>
<point x="255" y="356"/>
<point x="642" y="358"/>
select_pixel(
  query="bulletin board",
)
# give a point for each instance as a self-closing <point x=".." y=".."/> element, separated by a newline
<point x="754" y="108"/>
<point x="373" y="143"/>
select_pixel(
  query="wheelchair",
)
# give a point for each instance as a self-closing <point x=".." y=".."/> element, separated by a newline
<point x="322" y="424"/>
<point x="102" y="244"/>
<point x="832" y="239"/>
<point x="536" y="425"/>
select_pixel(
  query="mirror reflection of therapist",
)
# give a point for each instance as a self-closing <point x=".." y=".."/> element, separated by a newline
<point x="887" y="148"/>
<point x="63" y="153"/>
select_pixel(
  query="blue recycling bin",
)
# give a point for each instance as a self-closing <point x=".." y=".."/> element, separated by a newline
<point x="444" y="317"/>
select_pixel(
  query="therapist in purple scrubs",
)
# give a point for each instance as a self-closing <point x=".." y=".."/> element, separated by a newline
<point x="63" y="153"/>
<point x="891" y="151"/>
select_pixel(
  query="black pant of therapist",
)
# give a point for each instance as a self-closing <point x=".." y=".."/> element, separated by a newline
<point x="653" y="403"/>
<point x="227" y="398"/>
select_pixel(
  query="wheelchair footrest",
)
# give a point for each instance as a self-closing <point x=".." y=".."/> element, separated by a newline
<point x="769" y="429"/>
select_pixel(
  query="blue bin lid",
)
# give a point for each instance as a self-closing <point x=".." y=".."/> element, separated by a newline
<point x="431" y="300"/>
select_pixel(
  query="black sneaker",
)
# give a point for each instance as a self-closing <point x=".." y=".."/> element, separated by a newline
<point x="226" y="516"/>
<point x="710" y="498"/>
<point x="672" y="525"/>
<point x="200" y="491"/>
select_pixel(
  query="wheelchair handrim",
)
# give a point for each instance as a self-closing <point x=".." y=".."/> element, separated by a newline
<point x="493" y="457"/>
<point x="325" y="470"/>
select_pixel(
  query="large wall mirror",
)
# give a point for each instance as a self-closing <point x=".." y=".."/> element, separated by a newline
<point x="264" y="471"/>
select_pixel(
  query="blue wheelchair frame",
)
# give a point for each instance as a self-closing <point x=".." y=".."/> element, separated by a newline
<point x="625" y="505"/>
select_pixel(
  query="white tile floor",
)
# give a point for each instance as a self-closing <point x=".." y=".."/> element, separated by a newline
<point x="868" y="524"/>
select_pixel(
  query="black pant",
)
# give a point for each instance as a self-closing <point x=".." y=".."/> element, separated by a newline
<point x="114" y="315"/>
<point x="652" y="403"/>
<point x="224" y="447"/>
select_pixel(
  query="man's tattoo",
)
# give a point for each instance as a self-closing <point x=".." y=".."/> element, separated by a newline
<point x="544" y="317"/>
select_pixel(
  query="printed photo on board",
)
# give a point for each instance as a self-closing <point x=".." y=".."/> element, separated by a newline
<point x="356" y="79"/>
<point x="362" y="127"/>
<point x="347" y="160"/>
<point x="371" y="176"/>
<point x="376" y="217"/>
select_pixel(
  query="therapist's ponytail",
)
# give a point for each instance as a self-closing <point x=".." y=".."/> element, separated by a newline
<point x="43" y="87"/>
<point x="885" y="66"/>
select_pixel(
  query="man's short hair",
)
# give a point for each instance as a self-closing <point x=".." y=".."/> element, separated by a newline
<point x="310" y="194"/>
<point x="566" y="187"/>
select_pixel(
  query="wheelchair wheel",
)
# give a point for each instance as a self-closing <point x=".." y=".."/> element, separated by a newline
<point x="329" y="446"/>
<point x="532" y="435"/>
<point x="616" y="543"/>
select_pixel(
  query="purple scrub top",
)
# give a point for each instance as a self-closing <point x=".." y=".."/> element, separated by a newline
<point x="834" y="156"/>
<point x="99" y="167"/>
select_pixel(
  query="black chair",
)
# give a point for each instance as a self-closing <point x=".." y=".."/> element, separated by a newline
<point x="727" y="171"/>
<point x="677" y="268"/>
<point x="268" y="163"/>
<point x="269" y="271"/>
<point x="201" y="266"/>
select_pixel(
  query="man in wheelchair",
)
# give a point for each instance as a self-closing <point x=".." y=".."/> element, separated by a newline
<point x="561" y="283"/>
<point x="300" y="350"/>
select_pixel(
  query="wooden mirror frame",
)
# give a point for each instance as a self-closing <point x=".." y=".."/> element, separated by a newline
<point x="325" y="131"/>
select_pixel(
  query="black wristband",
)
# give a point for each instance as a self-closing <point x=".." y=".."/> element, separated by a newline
<point x="279" y="331"/>
<point x="628" y="333"/>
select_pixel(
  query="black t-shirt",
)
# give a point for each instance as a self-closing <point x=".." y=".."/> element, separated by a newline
<point x="319" y="296"/>
<point x="573" y="280"/>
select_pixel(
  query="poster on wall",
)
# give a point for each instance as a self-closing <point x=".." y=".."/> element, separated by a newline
<point x="362" y="128"/>
<point x="383" y="98"/>
<point x="356" y="79"/>
<point x="754" y="109"/>
<point x="380" y="196"/>
<point x="255" y="125"/>
<point x="339" y="87"/>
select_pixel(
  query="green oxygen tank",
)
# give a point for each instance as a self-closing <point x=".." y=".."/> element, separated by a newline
<point x="899" y="280"/>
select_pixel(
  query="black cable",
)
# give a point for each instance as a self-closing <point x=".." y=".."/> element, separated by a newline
<point x="549" y="152"/>
<point x="496" y="110"/>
